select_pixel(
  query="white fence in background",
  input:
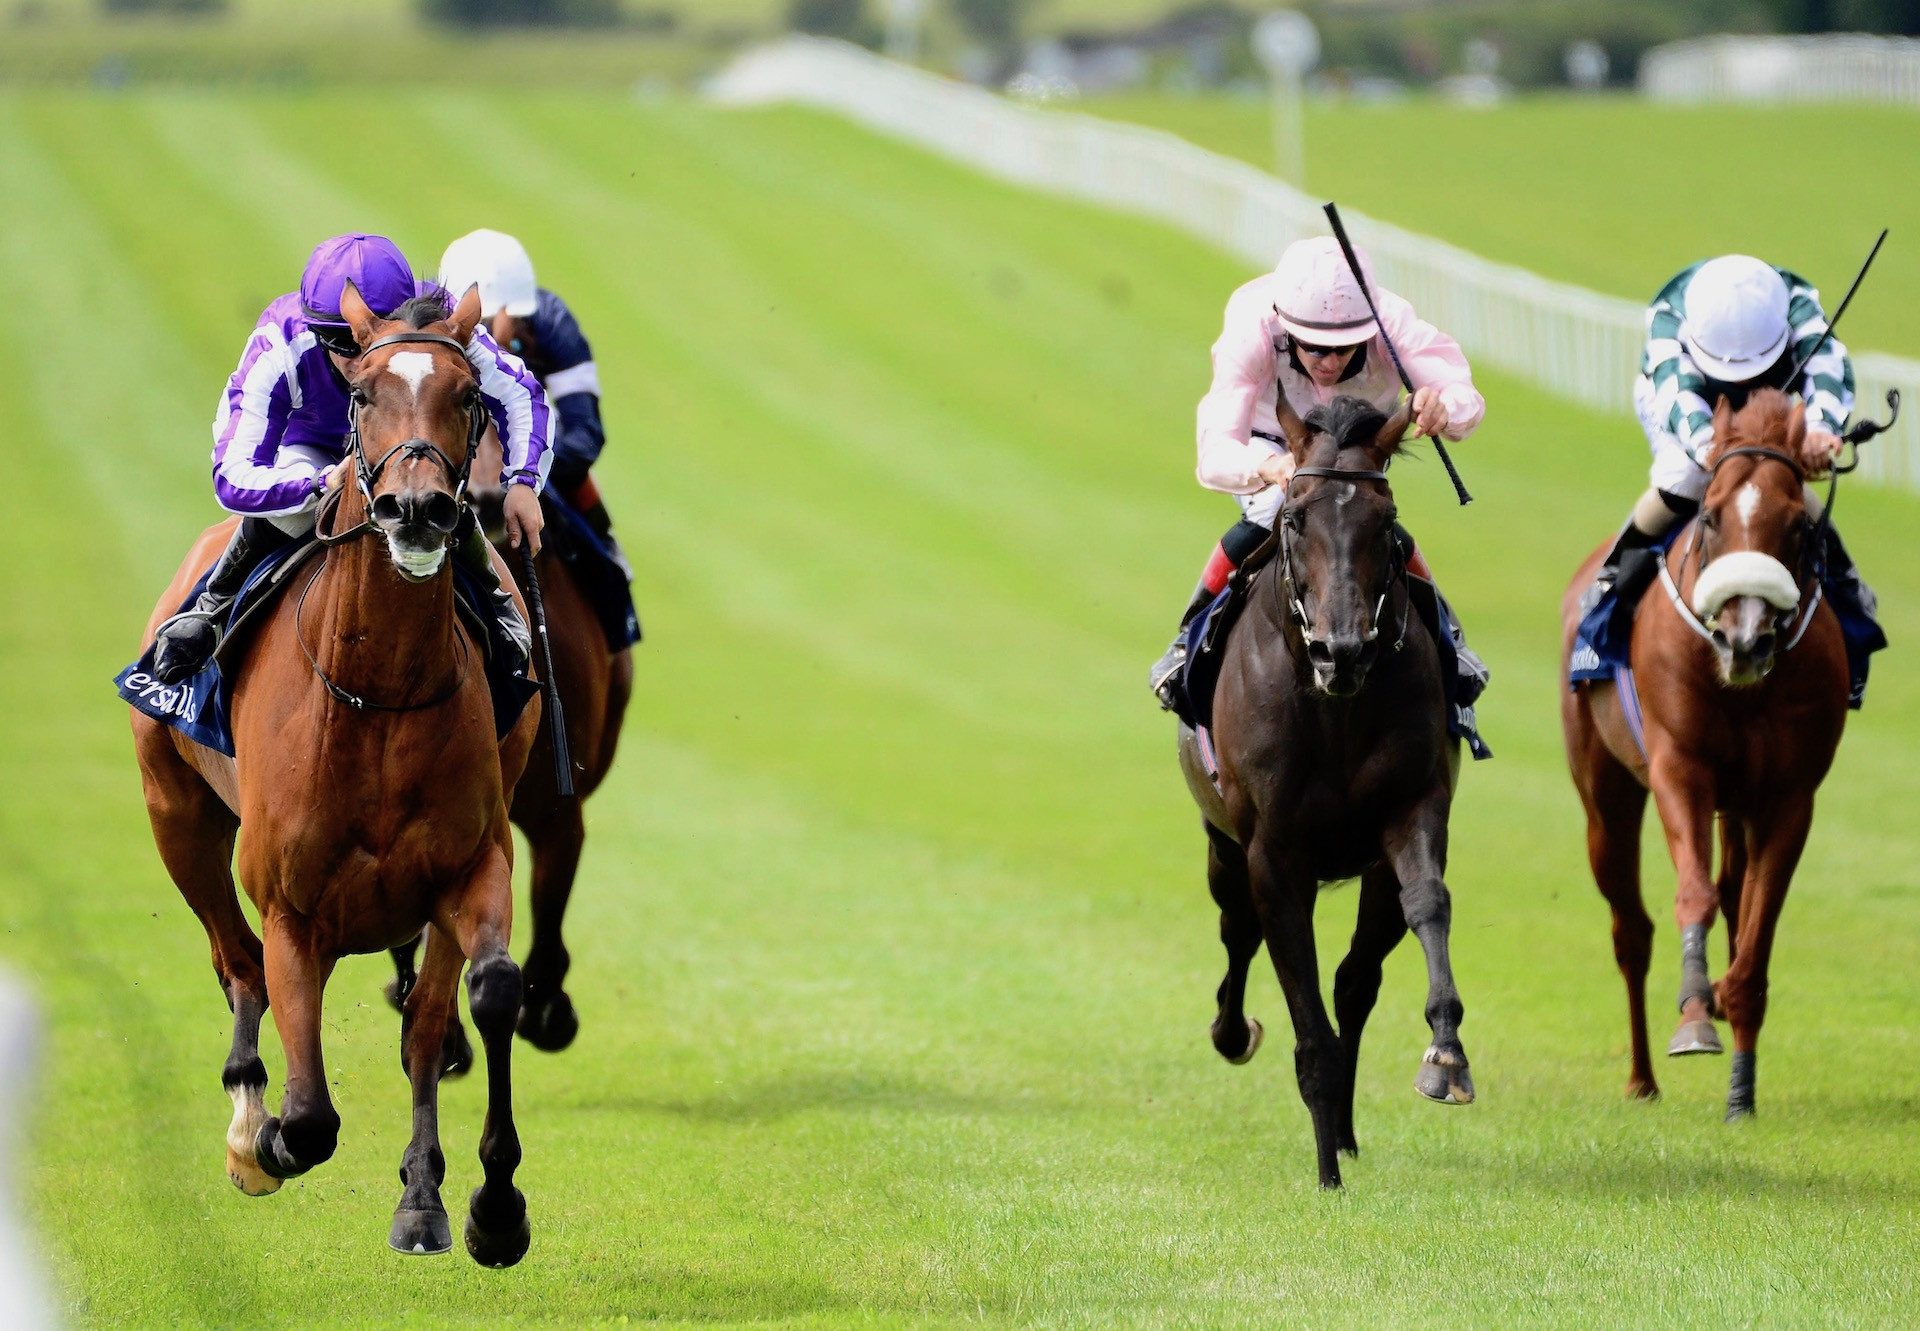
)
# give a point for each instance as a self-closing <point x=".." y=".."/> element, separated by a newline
<point x="1840" y="67"/>
<point x="1575" y="342"/>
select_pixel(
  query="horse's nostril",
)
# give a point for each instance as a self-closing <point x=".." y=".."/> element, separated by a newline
<point x="440" y="512"/>
<point x="387" y="510"/>
<point x="1320" y="653"/>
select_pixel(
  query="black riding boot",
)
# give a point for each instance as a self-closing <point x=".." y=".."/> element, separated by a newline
<point x="1856" y="606"/>
<point x="1167" y="668"/>
<point x="512" y="641"/>
<point x="184" y="644"/>
<point x="1629" y="569"/>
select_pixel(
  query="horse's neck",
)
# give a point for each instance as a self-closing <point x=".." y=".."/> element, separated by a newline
<point x="372" y="631"/>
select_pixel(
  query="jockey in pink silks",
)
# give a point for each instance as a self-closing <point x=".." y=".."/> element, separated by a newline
<point x="1304" y="329"/>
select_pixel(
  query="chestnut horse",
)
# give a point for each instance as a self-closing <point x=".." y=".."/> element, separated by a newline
<point x="1335" y="761"/>
<point x="1742" y="687"/>
<point x="594" y="686"/>
<point x="366" y="821"/>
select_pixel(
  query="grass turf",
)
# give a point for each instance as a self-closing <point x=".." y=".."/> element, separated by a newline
<point x="893" y="951"/>
<point x="1612" y="192"/>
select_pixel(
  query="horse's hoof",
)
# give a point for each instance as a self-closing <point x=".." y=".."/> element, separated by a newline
<point x="1443" y="1078"/>
<point x="250" y="1178"/>
<point x="506" y="1243"/>
<point x="420" y="1233"/>
<point x="1739" y="1114"/>
<point x="1255" y="1034"/>
<point x="1694" y="1037"/>
<point x="456" y="1051"/>
<point x="549" y="1024"/>
<point x="1642" y="1090"/>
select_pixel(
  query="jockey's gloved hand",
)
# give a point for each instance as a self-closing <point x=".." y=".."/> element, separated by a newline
<point x="1429" y="412"/>
<point x="1818" y="451"/>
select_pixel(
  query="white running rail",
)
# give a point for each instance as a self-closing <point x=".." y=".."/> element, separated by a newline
<point x="1836" y="67"/>
<point x="1575" y="342"/>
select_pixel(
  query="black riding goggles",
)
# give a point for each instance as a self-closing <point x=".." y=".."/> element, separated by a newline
<point x="337" y="338"/>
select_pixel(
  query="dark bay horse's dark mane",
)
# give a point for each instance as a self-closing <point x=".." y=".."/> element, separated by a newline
<point x="426" y="309"/>
<point x="1344" y="423"/>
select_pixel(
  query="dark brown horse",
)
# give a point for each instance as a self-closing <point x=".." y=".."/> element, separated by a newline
<point x="594" y="686"/>
<point x="361" y="825"/>
<point x="1335" y="762"/>
<point x="1742" y="679"/>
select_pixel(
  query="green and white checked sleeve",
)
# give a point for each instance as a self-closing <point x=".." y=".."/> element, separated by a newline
<point x="1677" y="383"/>
<point x="1827" y="382"/>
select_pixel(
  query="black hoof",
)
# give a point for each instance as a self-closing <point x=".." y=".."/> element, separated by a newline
<point x="549" y="1023"/>
<point x="456" y="1051"/>
<point x="420" y="1233"/>
<point x="502" y="1240"/>
<point x="273" y="1161"/>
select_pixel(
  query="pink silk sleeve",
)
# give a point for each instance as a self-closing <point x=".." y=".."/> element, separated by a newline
<point x="1434" y="360"/>
<point x="1243" y="369"/>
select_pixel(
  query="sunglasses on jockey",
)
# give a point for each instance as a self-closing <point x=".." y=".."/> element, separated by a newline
<point x="1319" y="352"/>
<point x="335" y="337"/>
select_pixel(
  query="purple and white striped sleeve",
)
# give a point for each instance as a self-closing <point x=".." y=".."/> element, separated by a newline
<point x="520" y="410"/>
<point x="248" y="476"/>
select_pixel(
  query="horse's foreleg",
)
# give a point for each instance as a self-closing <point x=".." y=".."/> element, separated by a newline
<point x="307" y="1130"/>
<point x="1616" y="807"/>
<point x="479" y="919"/>
<point x="1285" y="904"/>
<point x="456" y="1052"/>
<point x="1377" y="930"/>
<point x="1776" y="840"/>
<point x="420" y="1221"/>
<point x="1417" y="852"/>
<point x="1733" y="872"/>
<point x="1683" y="792"/>
<point x="1235" y="1035"/>
<point x="547" y="1019"/>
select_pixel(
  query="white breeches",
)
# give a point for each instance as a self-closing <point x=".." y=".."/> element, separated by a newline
<point x="1674" y="469"/>
<point x="1263" y="506"/>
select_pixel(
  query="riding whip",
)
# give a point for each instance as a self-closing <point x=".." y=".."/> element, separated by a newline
<point x="1353" y="266"/>
<point x="550" y="689"/>
<point x="1859" y="277"/>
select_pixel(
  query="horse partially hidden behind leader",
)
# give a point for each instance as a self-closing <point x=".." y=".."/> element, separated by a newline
<point x="1335" y="761"/>
<point x="1741" y="677"/>
<point x="362" y="825"/>
<point x="595" y="686"/>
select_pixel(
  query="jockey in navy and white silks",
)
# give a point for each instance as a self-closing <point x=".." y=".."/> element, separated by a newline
<point x="537" y="326"/>
<point x="1719" y="330"/>
<point x="281" y="427"/>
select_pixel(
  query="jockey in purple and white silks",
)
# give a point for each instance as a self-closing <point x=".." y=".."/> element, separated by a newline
<point x="1304" y="329"/>
<point x="280" y="435"/>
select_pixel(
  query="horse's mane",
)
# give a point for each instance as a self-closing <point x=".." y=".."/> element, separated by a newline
<point x="1346" y="422"/>
<point x="429" y="308"/>
<point x="1765" y="421"/>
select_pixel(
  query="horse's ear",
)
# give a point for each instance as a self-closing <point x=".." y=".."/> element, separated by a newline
<point x="466" y="315"/>
<point x="1292" y="428"/>
<point x="1394" y="430"/>
<point x="359" y="316"/>
<point x="1797" y="428"/>
<point x="1722" y="422"/>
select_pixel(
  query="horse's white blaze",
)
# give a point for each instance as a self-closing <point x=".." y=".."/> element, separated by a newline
<point x="415" y="563"/>
<point x="413" y="366"/>
<point x="1747" y="503"/>
<point x="1744" y="573"/>
<point x="1346" y="494"/>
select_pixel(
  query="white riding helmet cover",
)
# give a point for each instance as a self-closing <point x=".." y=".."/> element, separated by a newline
<point x="499" y="265"/>
<point x="1319" y="302"/>
<point x="1736" y="318"/>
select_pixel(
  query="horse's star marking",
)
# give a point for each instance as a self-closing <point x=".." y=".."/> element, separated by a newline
<point x="413" y="366"/>
<point x="1748" y="503"/>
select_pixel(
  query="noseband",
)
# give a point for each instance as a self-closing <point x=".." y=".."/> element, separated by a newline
<point x="368" y="475"/>
<point x="1395" y="565"/>
<point x="1696" y="550"/>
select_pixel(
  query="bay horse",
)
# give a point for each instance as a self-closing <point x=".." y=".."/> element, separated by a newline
<point x="1742" y="693"/>
<point x="1334" y="762"/>
<point x="595" y="686"/>
<point x="367" y="788"/>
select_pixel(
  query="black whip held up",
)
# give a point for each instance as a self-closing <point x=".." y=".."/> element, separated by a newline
<point x="1800" y="366"/>
<point x="550" y="690"/>
<point x="1353" y="266"/>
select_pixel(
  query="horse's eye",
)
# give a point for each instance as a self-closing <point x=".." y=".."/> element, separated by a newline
<point x="1710" y="520"/>
<point x="360" y="398"/>
<point x="1295" y="520"/>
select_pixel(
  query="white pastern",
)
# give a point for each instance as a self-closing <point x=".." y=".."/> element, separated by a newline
<point x="1746" y="503"/>
<point x="413" y="366"/>
<point x="1744" y="573"/>
<point x="243" y="1167"/>
<point x="420" y="564"/>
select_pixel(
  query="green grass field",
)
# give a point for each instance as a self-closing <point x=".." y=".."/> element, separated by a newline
<point x="892" y="946"/>
<point x="1613" y="193"/>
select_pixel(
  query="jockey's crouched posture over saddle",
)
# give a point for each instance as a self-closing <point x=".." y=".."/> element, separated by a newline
<point x="1721" y="329"/>
<point x="1304" y="329"/>
<point x="282" y="432"/>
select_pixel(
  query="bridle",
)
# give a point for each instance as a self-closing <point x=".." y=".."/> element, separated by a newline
<point x="1812" y="556"/>
<point x="1396" y="562"/>
<point x="367" y="476"/>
